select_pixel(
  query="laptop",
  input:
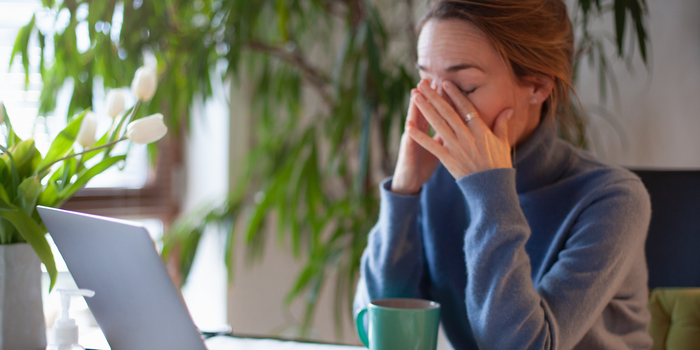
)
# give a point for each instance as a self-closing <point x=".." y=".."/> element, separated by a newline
<point x="136" y="304"/>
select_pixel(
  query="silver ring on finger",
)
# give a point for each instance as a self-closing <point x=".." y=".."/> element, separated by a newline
<point x="469" y="116"/>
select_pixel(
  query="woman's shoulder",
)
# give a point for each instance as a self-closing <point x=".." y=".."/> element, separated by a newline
<point x="598" y="178"/>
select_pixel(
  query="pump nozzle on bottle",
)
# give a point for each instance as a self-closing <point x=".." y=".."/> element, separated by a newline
<point x="65" y="330"/>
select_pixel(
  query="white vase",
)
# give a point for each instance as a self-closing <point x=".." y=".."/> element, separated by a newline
<point x="21" y="313"/>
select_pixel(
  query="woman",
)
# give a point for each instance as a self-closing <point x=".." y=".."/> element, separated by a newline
<point x="525" y="241"/>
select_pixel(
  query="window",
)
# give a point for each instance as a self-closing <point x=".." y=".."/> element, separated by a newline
<point x="136" y="191"/>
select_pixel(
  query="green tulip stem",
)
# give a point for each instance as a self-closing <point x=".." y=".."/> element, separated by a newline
<point x="132" y="116"/>
<point x="110" y="144"/>
<point x="127" y="117"/>
<point x="117" y="131"/>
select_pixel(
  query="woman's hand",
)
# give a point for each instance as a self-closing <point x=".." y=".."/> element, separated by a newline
<point x="466" y="148"/>
<point x="415" y="164"/>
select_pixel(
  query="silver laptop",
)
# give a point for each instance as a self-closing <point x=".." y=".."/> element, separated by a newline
<point x="136" y="303"/>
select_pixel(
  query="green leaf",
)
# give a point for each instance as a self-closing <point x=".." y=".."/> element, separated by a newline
<point x="87" y="175"/>
<point x="34" y="235"/>
<point x="189" y="251"/>
<point x="620" y="23"/>
<point x="49" y="197"/>
<point x="70" y="168"/>
<point x="3" y="195"/>
<point x="22" y="46"/>
<point x="13" y="170"/>
<point x="24" y="154"/>
<point x="63" y="143"/>
<point x="283" y="14"/>
<point x="637" y="12"/>
<point x="11" y="137"/>
<point x="28" y="194"/>
<point x="42" y="46"/>
<point x="301" y="283"/>
<point x="602" y="70"/>
<point x="260" y="213"/>
<point x="585" y="6"/>
<point x="5" y="177"/>
<point x="229" y="251"/>
<point x="7" y="231"/>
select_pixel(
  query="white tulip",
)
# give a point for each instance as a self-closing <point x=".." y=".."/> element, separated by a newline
<point x="145" y="83"/>
<point x="86" y="134"/>
<point x="115" y="102"/>
<point x="146" y="130"/>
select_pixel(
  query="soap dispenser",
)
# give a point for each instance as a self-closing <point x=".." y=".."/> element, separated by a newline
<point x="65" y="330"/>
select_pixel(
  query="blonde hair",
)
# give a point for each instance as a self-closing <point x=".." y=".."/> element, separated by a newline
<point x="534" y="38"/>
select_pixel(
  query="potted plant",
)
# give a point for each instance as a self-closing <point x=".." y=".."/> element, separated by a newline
<point x="28" y="179"/>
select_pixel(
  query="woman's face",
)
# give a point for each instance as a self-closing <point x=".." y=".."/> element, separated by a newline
<point x="458" y="51"/>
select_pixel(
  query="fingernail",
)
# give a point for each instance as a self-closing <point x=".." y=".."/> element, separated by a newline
<point x="445" y="85"/>
<point x="510" y="115"/>
<point x="420" y="98"/>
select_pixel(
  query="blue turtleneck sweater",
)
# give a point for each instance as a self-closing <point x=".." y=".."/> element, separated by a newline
<point x="546" y="255"/>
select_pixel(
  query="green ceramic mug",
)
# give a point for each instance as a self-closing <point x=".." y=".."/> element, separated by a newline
<point x="399" y="324"/>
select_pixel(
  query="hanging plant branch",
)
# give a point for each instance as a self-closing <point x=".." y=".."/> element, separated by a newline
<point x="313" y="75"/>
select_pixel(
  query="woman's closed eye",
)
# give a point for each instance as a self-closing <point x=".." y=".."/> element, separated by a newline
<point x="467" y="92"/>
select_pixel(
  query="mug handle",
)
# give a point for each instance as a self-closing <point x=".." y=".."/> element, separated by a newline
<point x="360" y="323"/>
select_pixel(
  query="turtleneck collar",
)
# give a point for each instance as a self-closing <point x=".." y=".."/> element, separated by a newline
<point x="540" y="160"/>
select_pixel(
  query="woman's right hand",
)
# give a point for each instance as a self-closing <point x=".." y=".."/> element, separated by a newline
<point x="415" y="165"/>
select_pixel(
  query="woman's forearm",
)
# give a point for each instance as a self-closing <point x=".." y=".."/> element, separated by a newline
<point x="392" y="264"/>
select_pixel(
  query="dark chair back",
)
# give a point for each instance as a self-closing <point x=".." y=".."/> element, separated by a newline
<point x="673" y="244"/>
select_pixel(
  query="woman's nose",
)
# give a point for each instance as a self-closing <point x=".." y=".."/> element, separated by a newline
<point x="436" y="84"/>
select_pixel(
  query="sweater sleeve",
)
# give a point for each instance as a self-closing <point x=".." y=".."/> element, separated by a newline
<point x="505" y="309"/>
<point x="392" y="263"/>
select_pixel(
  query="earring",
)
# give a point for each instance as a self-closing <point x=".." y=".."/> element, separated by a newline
<point x="534" y="101"/>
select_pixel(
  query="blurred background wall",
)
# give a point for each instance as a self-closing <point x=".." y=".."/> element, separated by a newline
<point x="658" y="109"/>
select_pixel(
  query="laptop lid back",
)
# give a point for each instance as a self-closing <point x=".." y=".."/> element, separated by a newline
<point x="136" y="304"/>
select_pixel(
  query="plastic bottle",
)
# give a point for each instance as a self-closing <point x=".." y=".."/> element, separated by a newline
<point x="65" y="330"/>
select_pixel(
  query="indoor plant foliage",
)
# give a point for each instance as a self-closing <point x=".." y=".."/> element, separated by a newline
<point x="315" y="168"/>
<point x="28" y="178"/>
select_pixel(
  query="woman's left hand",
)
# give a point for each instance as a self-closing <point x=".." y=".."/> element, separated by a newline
<point x="465" y="148"/>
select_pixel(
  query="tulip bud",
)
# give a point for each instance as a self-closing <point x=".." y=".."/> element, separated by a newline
<point x="144" y="84"/>
<point x="146" y="130"/>
<point x="115" y="102"/>
<point x="2" y="112"/>
<point x="86" y="134"/>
